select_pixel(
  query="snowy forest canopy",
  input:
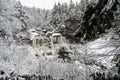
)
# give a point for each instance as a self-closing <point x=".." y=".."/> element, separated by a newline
<point x="26" y="18"/>
<point x="65" y="18"/>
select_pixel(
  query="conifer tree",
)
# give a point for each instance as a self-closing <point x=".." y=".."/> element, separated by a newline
<point x="71" y="8"/>
<point x="97" y="18"/>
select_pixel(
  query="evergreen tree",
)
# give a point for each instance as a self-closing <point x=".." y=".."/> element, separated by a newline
<point x="21" y="15"/>
<point x="55" y="8"/>
<point x="77" y="8"/>
<point x="83" y="4"/>
<point x="97" y="18"/>
<point x="71" y="5"/>
<point x="71" y="8"/>
<point x="59" y="8"/>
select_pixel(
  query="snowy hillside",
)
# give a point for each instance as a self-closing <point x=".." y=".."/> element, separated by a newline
<point x="37" y="44"/>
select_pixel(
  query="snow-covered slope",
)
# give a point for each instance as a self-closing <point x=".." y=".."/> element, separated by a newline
<point x="22" y="59"/>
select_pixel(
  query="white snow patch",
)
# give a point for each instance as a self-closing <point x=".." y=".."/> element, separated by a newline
<point x="106" y="61"/>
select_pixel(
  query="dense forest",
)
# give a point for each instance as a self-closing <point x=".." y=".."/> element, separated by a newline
<point x="88" y="48"/>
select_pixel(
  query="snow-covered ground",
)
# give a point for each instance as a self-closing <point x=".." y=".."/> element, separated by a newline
<point x="17" y="59"/>
<point x="101" y="51"/>
<point x="22" y="59"/>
